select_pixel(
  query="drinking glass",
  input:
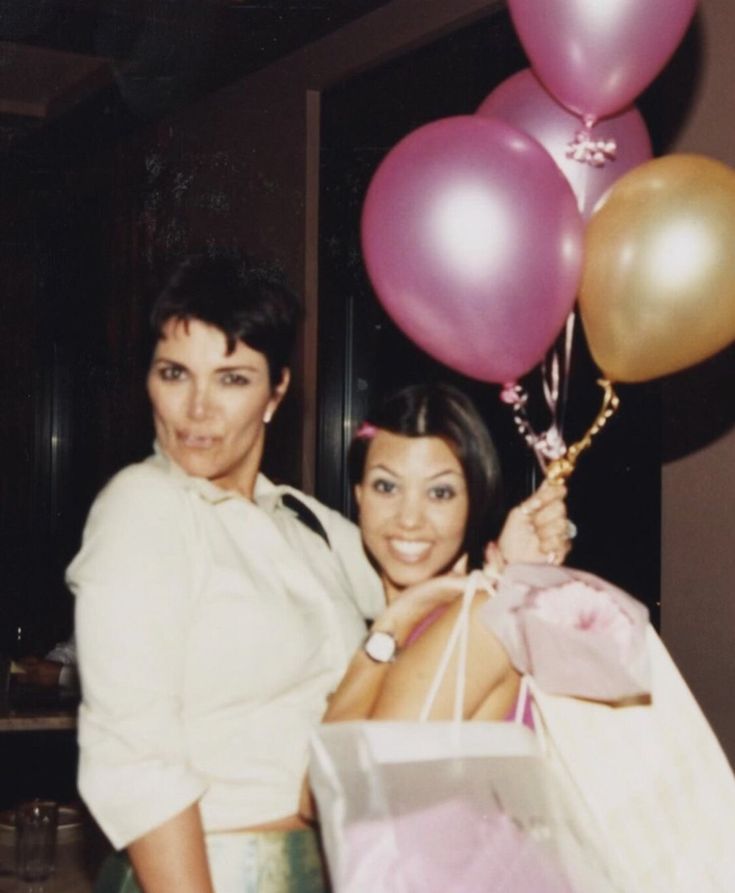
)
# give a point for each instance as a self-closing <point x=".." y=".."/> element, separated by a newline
<point x="35" y="839"/>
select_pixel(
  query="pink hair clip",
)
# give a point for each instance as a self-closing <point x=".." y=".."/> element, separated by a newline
<point x="366" y="431"/>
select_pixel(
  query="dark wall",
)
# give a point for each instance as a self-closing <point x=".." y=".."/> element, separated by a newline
<point x="90" y="221"/>
<point x="71" y="363"/>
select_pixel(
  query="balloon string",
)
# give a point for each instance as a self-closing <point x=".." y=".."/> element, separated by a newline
<point x="563" y="467"/>
<point x="555" y="375"/>
<point x="568" y="340"/>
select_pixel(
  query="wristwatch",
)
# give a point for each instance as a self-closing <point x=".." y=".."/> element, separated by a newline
<point x="380" y="646"/>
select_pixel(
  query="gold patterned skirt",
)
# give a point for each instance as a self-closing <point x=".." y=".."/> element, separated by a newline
<point x="243" y="862"/>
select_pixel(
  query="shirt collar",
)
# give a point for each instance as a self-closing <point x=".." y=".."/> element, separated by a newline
<point x="266" y="494"/>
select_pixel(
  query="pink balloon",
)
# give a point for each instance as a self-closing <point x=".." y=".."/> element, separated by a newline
<point x="596" y="56"/>
<point x="523" y="102"/>
<point x="473" y="243"/>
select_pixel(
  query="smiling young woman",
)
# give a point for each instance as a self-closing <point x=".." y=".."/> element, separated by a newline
<point x="427" y="482"/>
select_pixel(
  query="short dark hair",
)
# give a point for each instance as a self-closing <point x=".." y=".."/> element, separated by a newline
<point x="440" y="410"/>
<point x="246" y="301"/>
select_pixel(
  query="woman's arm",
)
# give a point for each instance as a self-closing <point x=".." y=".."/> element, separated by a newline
<point x="172" y="858"/>
<point x="534" y="531"/>
<point x="491" y="683"/>
<point x="362" y="683"/>
<point x="133" y="581"/>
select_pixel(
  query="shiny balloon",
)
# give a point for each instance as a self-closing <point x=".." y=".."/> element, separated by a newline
<point x="473" y="242"/>
<point x="621" y="142"/>
<point x="596" y="56"/>
<point x="658" y="287"/>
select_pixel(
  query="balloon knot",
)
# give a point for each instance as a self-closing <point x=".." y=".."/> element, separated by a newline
<point x="513" y="394"/>
<point x="596" y="153"/>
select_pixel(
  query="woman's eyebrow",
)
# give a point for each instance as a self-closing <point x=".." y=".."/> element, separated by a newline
<point x="169" y="361"/>
<point x="380" y="466"/>
<point x="446" y="471"/>
<point x="237" y="367"/>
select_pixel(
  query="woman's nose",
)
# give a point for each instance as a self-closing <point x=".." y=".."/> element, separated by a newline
<point x="199" y="404"/>
<point x="410" y="510"/>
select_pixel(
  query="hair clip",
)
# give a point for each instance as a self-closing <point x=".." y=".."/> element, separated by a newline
<point x="366" y="431"/>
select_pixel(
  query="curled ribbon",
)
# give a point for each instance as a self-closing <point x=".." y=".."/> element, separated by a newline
<point x="593" y="152"/>
<point x="548" y="445"/>
<point x="556" y="459"/>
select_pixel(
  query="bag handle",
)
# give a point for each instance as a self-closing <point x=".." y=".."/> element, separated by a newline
<point x="524" y="695"/>
<point x="458" y="637"/>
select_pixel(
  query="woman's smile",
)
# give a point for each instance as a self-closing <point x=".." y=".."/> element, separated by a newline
<point x="410" y="551"/>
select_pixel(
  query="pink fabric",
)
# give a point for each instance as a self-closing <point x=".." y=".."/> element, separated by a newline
<point x="449" y="846"/>
<point x="424" y="624"/>
<point x="527" y="717"/>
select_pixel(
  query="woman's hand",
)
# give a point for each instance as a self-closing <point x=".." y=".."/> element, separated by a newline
<point x="538" y="529"/>
<point x="416" y="602"/>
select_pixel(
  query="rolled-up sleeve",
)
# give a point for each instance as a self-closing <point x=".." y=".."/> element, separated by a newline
<point x="135" y="581"/>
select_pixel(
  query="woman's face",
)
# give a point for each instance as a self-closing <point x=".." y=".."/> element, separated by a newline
<point x="413" y="508"/>
<point x="209" y="408"/>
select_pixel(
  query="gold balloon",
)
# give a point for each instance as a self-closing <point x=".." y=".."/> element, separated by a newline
<point x="658" y="286"/>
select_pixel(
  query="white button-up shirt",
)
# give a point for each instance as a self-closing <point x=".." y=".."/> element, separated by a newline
<point x="210" y="631"/>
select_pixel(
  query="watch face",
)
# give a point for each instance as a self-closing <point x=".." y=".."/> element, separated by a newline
<point x="380" y="646"/>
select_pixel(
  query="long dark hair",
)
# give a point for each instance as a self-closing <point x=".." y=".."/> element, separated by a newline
<point x="440" y="410"/>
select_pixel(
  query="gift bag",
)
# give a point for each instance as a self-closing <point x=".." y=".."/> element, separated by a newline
<point x="574" y="633"/>
<point x="451" y="807"/>
<point x="655" y="778"/>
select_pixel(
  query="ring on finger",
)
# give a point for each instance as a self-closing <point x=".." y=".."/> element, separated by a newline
<point x="571" y="529"/>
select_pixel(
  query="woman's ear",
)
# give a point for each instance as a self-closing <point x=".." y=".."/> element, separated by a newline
<point x="279" y="392"/>
<point x="357" y="491"/>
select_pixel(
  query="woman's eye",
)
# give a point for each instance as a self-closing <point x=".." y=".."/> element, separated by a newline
<point x="381" y="485"/>
<point x="171" y="373"/>
<point x="235" y="378"/>
<point x="442" y="491"/>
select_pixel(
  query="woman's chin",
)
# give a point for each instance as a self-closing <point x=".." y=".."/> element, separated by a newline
<point x="398" y="583"/>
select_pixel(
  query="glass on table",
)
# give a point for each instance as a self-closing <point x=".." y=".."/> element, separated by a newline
<point x="36" y="822"/>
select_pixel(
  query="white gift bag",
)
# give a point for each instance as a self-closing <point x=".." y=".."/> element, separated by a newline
<point x="451" y="807"/>
<point x="655" y="778"/>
